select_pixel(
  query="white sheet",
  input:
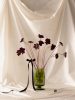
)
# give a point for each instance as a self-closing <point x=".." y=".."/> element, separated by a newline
<point x="24" y="18"/>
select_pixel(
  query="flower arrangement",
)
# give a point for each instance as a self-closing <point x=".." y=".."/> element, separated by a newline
<point x="38" y="50"/>
<point x="40" y="53"/>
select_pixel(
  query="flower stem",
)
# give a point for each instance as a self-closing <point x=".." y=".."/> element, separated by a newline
<point x="38" y="57"/>
<point x="45" y="48"/>
<point x="50" y="56"/>
<point x="28" y="52"/>
<point x="31" y="50"/>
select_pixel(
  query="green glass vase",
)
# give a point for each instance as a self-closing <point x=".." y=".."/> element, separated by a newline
<point x="39" y="78"/>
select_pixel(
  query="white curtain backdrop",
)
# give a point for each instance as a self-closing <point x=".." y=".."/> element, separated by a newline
<point x="28" y="18"/>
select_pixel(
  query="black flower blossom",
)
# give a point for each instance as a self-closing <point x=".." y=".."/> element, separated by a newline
<point x="30" y="41"/>
<point x="56" y="55"/>
<point x="47" y="41"/>
<point x="61" y="43"/>
<point x="36" y="46"/>
<point x="41" y="43"/>
<point x="53" y="47"/>
<point x="65" y="54"/>
<point x="22" y="40"/>
<point x="40" y="36"/>
<point x="20" y="51"/>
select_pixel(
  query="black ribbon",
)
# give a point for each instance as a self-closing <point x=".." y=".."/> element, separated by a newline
<point x="30" y="61"/>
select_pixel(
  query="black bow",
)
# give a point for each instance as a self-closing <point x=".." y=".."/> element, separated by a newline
<point x="30" y="60"/>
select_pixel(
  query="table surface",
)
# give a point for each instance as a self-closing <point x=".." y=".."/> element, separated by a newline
<point x="48" y="94"/>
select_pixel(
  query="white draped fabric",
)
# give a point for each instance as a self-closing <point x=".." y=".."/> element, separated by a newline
<point x="28" y="18"/>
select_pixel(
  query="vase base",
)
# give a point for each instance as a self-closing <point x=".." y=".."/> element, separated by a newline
<point x="39" y="88"/>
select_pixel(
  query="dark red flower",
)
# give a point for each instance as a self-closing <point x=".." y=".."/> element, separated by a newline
<point x="30" y="41"/>
<point x="40" y="36"/>
<point x="47" y="41"/>
<point x="20" y="51"/>
<point x="61" y="43"/>
<point x="53" y="47"/>
<point x="36" y="46"/>
<point x="65" y="54"/>
<point x="41" y="43"/>
<point x="56" y="56"/>
<point x="22" y="40"/>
